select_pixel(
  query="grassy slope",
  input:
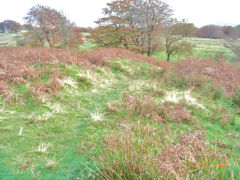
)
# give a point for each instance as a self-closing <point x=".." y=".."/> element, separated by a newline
<point x="67" y="125"/>
<point x="61" y="125"/>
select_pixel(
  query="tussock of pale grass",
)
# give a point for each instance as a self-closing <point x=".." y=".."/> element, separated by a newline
<point x="97" y="115"/>
<point x="55" y="107"/>
<point x="43" y="147"/>
<point x="51" y="163"/>
<point x="69" y="81"/>
<point x="44" y="116"/>
<point x="96" y="80"/>
<point x="20" y="131"/>
<point x="186" y="96"/>
<point x="141" y="85"/>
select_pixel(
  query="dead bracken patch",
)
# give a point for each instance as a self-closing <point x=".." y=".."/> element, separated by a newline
<point x="176" y="112"/>
<point x="176" y="160"/>
<point x="223" y="75"/>
<point x="147" y="107"/>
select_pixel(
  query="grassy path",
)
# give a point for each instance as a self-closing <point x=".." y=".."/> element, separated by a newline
<point x="63" y="127"/>
<point x="77" y="148"/>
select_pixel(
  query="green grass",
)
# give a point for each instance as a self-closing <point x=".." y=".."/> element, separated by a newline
<point x="60" y="137"/>
<point x="8" y="39"/>
<point x="60" y="126"/>
<point x="87" y="46"/>
<point x="205" y="48"/>
<point x="211" y="48"/>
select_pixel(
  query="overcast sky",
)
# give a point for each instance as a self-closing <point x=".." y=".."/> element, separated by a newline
<point x="85" y="12"/>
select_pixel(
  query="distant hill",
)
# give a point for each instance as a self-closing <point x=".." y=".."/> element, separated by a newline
<point x="237" y="28"/>
<point x="9" y="26"/>
<point x="237" y="31"/>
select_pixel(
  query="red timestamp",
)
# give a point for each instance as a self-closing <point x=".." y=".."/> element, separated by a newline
<point x="210" y="165"/>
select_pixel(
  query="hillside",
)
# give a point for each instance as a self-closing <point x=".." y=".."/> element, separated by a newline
<point x="110" y="113"/>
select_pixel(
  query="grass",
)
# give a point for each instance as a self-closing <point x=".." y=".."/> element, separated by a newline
<point x="8" y="39"/>
<point x="53" y="130"/>
<point x="78" y="133"/>
<point x="205" y="48"/>
<point x="87" y="46"/>
<point x="72" y="135"/>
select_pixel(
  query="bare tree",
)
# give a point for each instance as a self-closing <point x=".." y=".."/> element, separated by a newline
<point x="174" y="35"/>
<point x="45" y="23"/>
<point x="65" y="31"/>
<point x="155" y="14"/>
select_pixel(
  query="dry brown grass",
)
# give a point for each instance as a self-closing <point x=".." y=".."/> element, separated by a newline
<point x="138" y="151"/>
<point x="177" y="160"/>
<point x="225" y="76"/>
<point x="146" y="106"/>
<point x="100" y="55"/>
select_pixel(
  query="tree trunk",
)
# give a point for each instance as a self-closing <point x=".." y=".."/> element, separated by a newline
<point x="48" y="39"/>
<point x="126" y="45"/>
<point x="142" y="46"/>
<point x="49" y="42"/>
<point x="168" y="57"/>
<point x="66" y="45"/>
<point x="149" y="46"/>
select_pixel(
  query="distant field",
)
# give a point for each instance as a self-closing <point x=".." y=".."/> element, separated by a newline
<point x="8" y="39"/>
<point x="205" y="48"/>
<point x="211" y="47"/>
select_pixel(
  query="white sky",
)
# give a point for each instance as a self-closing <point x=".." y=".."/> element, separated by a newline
<point x="85" y="12"/>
